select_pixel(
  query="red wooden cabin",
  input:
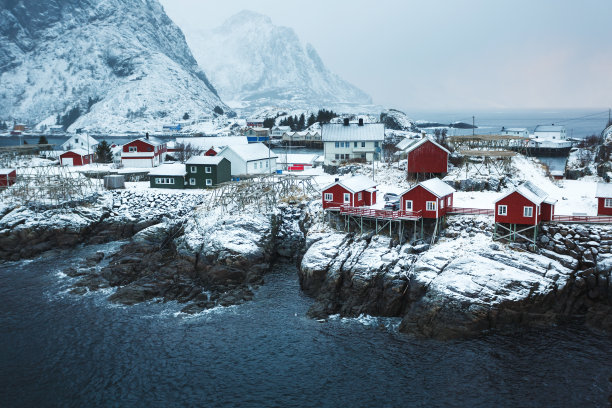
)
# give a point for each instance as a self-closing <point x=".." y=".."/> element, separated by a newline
<point x="425" y="156"/>
<point x="211" y="152"/>
<point x="525" y="205"/>
<point x="432" y="197"/>
<point x="76" y="157"/>
<point x="604" y="198"/>
<point x="143" y="152"/>
<point x="357" y="191"/>
<point x="7" y="177"/>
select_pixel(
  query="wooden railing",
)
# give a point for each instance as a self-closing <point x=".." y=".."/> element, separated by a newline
<point x="386" y="214"/>
<point x="587" y="219"/>
<point x="470" y="211"/>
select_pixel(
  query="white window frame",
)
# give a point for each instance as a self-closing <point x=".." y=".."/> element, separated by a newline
<point x="442" y="204"/>
<point x="209" y="182"/>
<point x="328" y="197"/>
<point x="164" y="180"/>
<point x="448" y="201"/>
<point x="500" y="208"/>
<point x="132" y="149"/>
<point x="345" y="196"/>
<point x="608" y="202"/>
<point x="192" y="181"/>
<point x="193" y="169"/>
<point x="430" y="206"/>
<point x="359" y="196"/>
<point x="207" y="169"/>
<point x="408" y="205"/>
<point x="528" y="209"/>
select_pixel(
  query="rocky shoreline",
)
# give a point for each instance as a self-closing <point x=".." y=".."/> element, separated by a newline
<point x="464" y="285"/>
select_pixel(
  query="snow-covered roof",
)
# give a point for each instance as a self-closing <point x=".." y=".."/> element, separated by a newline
<point x="6" y="171"/>
<point x="80" y="152"/>
<point x="153" y="141"/>
<point x="172" y="169"/>
<point x="435" y="186"/>
<point x="212" y="160"/>
<point x="284" y="128"/>
<point x="604" y="190"/>
<point x="297" y="158"/>
<point x="83" y="137"/>
<point x="514" y="130"/>
<point x="413" y="144"/>
<point x="336" y="132"/>
<point x="253" y="151"/>
<point x="531" y="192"/>
<point x="549" y="128"/>
<point x="355" y="183"/>
<point x="206" y="143"/>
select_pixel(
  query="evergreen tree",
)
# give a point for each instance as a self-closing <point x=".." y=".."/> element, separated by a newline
<point x="218" y="110"/>
<point x="104" y="153"/>
<point x="311" y="120"/>
<point x="268" y="122"/>
<point x="43" y="140"/>
<point x="290" y="123"/>
<point x="301" y="122"/>
<point x="186" y="116"/>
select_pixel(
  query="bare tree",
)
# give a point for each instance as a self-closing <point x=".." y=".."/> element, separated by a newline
<point x="185" y="152"/>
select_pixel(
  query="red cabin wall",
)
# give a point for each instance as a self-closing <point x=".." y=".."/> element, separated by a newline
<point x="420" y="196"/>
<point x="338" y="200"/>
<point x="427" y="158"/>
<point x="601" y="208"/>
<point x="77" y="159"/>
<point x="8" y="179"/>
<point x="515" y="203"/>
<point x="210" y="152"/>
<point x="548" y="211"/>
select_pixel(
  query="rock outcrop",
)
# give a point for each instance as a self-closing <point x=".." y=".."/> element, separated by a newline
<point x="460" y="287"/>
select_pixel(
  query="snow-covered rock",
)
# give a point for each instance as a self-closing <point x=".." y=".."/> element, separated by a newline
<point x="253" y="62"/>
<point x="123" y="63"/>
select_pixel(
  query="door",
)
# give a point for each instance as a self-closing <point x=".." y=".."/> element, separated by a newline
<point x="67" y="161"/>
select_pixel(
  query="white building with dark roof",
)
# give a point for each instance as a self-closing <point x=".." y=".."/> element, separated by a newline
<point x="348" y="141"/>
<point x="254" y="158"/>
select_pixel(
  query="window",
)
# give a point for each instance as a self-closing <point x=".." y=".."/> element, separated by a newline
<point x="193" y="169"/>
<point x="527" y="211"/>
<point x="375" y="144"/>
<point x="164" y="180"/>
<point x="608" y="203"/>
<point x="337" y="144"/>
<point x="362" y="144"/>
<point x="337" y="156"/>
<point x="502" y="210"/>
<point x="328" y="197"/>
<point x="359" y="196"/>
<point x="408" y="205"/>
<point x="448" y="201"/>
<point x="347" y="198"/>
<point x="133" y="149"/>
<point x="442" y="204"/>
<point x="539" y="210"/>
<point x="267" y="164"/>
<point x="209" y="182"/>
<point x="355" y="145"/>
<point x="207" y="169"/>
<point x="192" y="181"/>
<point x="430" y="206"/>
<point x="260" y="165"/>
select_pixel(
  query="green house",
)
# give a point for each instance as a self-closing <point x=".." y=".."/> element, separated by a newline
<point x="168" y="176"/>
<point x="207" y="171"/>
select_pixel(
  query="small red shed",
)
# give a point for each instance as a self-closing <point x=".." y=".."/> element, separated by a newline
<point x="144" y="152"/>
<point x="425" y="156"/>
<point x="525" y="205"/>
<point x="7" y="177"/>
<point x="432" y="197"/>
<point x="76" y="157"/>
<point x="604" y="198"/>
<point x="357" y="191"/>
<point x="211" y="152"/>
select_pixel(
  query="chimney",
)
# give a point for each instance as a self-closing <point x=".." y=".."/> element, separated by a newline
<point x="337" y="179"/>
<point x="346" y="121"/>
<point x="147" y="135"/>
<point x="360" y="121"/>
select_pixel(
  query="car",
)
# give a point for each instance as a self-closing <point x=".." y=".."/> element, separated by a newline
<point x="391" y="197"/>
<point x="392" y="205"/>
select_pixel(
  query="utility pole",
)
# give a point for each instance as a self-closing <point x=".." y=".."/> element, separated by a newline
<point x="473" y="126"/>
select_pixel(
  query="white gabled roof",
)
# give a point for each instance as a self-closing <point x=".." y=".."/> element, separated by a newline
<point x="354" y="184"/>
<point x="604" y="190"/>
<point x="549" y="128"/>
<point x="250" y="152"/>
<point x="6" y="171"/>
<point x="173" y="169"/>
<point x="84" y="137"/>
<point x="435" y="186"/>
<point x="416" y="143"/>
<point x="531" y="192"/>
<point x="212" y="160"/>
<point x="80" y="152"/>
<point x="337" y="132"/>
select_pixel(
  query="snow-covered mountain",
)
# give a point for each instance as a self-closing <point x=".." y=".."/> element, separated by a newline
<point x="125" y="54"/>
<point x="253" y="62"/>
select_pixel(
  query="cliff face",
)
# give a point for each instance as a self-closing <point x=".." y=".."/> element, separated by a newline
<point x="123" y="63"/>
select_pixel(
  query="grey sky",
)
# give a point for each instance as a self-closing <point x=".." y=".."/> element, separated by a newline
<point x="448" y="54"/>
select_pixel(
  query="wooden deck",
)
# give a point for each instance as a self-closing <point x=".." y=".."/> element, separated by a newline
<point x="368" y="212"/>
<point x="582" y="219"/>
<point x="470" y="211"/>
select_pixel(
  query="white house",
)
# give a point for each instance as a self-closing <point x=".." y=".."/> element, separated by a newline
<point x="80" y="141"/>
<point x="254" y="158"/>
<point x="204" y="144"/>
<point x="346" y="141"/>
<point x="521" y="132"/>
<point x="551" y="137"/>
<point x="277" y="131"/>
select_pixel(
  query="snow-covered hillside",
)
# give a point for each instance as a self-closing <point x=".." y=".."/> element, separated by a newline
<point x="253" y="62"/>
<point x="59" y="54"/>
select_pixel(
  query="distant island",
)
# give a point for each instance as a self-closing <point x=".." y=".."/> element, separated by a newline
<point x="456" y="125"/>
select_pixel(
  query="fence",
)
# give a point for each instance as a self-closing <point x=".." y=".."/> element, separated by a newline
<point x="470" y="211"/>
<point x="381" y="214"/>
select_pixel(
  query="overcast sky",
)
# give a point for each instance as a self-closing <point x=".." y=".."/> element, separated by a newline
<point x="453" y="54"/>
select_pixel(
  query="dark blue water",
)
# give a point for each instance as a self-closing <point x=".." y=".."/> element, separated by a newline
<point x="58" y="349"/>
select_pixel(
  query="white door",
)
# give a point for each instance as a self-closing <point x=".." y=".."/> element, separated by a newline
<point x="67" y="161"/>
